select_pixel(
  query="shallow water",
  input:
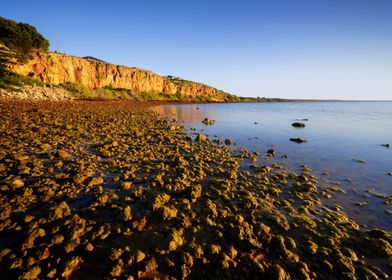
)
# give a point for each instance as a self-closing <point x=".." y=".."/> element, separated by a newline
<point x="338" y="134"/>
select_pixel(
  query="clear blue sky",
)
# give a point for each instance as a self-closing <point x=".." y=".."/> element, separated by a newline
<point x="294" y="48"/>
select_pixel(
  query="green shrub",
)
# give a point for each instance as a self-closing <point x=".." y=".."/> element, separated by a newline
<point x="21" y="38"/>
<point x="12" y="81"/>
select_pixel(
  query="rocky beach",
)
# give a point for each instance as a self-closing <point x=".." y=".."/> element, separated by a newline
<point x="111" y="189"/>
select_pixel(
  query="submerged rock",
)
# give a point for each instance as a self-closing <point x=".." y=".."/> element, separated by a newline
<point x="298" y="140"/>
<point x="298" y="124"/>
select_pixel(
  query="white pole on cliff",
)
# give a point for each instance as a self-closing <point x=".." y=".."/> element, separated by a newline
<point x="57" y="40"/>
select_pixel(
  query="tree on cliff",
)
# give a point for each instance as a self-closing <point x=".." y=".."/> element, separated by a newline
<point x="21" y="38"/>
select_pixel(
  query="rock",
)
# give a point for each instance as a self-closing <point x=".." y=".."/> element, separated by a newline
<point x="4" y="252"/>
<point x="60" y="211"/>
<point x="298" y="124"/>
<point x="201" y="137"/>
<point x="169" y="212"/>
<point x="228" y="141"/>
<point x="359" y="160"/>
<point x="208" y="121"/>
<point x="278" y="273"/>
<point x="298" y="140"/>
<point x="390" y="173"/>
<point x="57" y="239"/>
<point x="127" y="213"/>
<point x="17" y="183"/>
<point x="89" y="247"/>
<point x="71" y="265"/>
<point x="34" y="234"/>
<point x="140" y="256"/>
<point x="386" y="145"/>
<point x="63" y="154"/>
<point x="51" y="273"/>
<point x="176" y="240"/>
<point x="311" y="247"/>
<point x="126" y="185"/>
<point x="271" y="153"/>
<point x="32" y="273"/>
<point x="96" y="181"/>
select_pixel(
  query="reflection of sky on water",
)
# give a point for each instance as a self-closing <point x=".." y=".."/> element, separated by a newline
<point x="337" y="133"/>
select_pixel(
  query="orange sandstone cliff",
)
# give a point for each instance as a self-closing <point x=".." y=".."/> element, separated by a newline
<point x="54" y="68"/>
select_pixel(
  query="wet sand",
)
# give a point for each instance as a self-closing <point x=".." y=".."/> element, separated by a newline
<point x="110" y="190"/>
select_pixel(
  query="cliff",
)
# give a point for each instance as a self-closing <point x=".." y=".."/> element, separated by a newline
<point x="54" y="68"/>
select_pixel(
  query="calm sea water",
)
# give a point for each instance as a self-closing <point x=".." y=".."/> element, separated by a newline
<point x="338" y="134"/>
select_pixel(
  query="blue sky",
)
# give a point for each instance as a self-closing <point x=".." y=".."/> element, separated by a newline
<point x="295" y="48"/>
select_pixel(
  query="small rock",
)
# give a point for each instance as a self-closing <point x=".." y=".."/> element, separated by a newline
<point x="228" y="141"/>
<point x="271" y="153"/>
<point x="63" y="154"/>
<point x="208" y="121"/>
<point x="126" y="185"/>
<point x="71" y="265"/>
<point x="386" y="145"/>
<point x="298" y="140"/>
<point x="298" y="124"/>
<point x="89" y="247"/>
<point x="32" y="273"/>
<point x="17" y="183"/>
<point x="201" y="137"/>
<point x="60" y="211"/>
<point x="140" y="256"/>
<point x="127" y="214"/>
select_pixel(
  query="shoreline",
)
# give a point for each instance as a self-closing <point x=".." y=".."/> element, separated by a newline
<point x="116" y="191"/>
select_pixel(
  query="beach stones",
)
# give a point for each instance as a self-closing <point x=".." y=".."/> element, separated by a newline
<point x="162" y="204"/>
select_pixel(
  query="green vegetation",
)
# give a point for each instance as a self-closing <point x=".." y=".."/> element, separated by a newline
<point x="180" y="81"/>
<point x="21" y="38"/>
<point x="81" y="92"/>
<point x="6" y="59"/>
<point x="11" y="81"/>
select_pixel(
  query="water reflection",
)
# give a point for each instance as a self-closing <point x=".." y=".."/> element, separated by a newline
<point x="190" y="114"/>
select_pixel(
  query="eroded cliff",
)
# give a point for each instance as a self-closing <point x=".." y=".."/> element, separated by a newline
<point x="54" y="68"/>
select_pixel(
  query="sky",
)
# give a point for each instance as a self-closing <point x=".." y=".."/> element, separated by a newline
<point x="323" y="49"/>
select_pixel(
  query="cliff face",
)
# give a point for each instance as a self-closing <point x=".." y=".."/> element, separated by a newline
<point x="56" y="68"/>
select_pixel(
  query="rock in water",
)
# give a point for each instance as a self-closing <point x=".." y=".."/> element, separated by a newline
<point x="298" y="140"/>
<point x="298" y="124"/>
<point x="271" y="153"/>
<point x="208" y="121"/>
